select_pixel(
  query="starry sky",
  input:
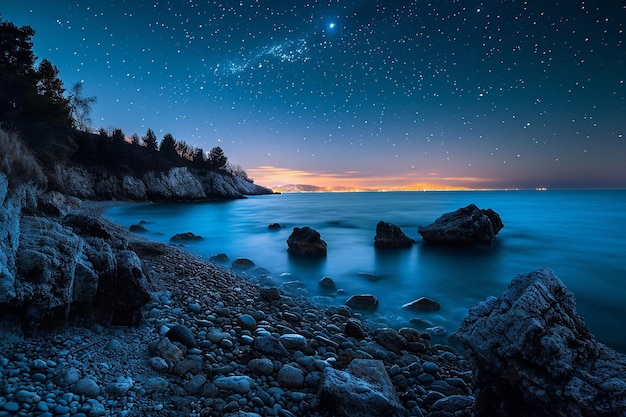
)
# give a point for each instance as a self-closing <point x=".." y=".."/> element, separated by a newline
<point x="371" y="93"/>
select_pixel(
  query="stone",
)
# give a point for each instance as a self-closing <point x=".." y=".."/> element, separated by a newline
<point x="242" y="263"/>
<point x="363" y="389"/>
<point x="237" y="383"/>
<point x="307" y="242"/>
<point x="391" y="236"/>
<point x="247" y="321"/>
<point x="87" y="387"/>
<point x="464" y="226"/>
<point x="261" y="366"/>
<point x="185" y="237"/>
<point x="363" y="302"/>
<point x="327" y="283"/>
<point x="181" y="333"/>
<point x="269" y="294"/>
<point x="270" y="346"/>
<point x="169" y="352"/>
<point x="292" y="341"/>
<point x="120" y="387"/>
<point x="274" y="226"/>
<point x="390" y="339"/>
<point x="137" y="228"/>
<point x="354" y="328"/>
<point x="533" y="355"/>
<point x="290" y="376"/>
<point x="422" y="304"/>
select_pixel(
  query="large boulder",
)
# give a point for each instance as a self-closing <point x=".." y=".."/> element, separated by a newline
<point x="391" y="236"/>
<point x="534" y="356"/>
<point x="306" y="241"/>
<point x="363" y="389"/>
<point x="467" y="225"/>
<point x="176" y="184"/>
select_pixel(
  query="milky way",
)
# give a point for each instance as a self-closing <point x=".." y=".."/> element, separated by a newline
<point x="482" y="94"/>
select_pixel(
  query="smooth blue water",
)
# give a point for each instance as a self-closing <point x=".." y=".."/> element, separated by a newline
<point x="580" y="235"/>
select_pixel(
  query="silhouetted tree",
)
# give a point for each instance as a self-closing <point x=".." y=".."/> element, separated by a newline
<point x="199" y="159"/>
<point x="168" y="148"/>
<point x="135" y="139"/>
<point x="48" y="83"/>
<point x="80" y="107"/>
<point x="217" y="159"/>
<point x="118" y="137"/>
<point x="150" y="140"/>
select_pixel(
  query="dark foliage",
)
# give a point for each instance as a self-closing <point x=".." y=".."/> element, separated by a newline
<point x="55" y="127"/>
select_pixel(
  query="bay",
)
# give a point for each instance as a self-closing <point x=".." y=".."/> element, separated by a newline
<point x="579" y="234"/>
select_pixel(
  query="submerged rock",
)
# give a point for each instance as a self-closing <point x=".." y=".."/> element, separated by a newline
<point x="534" y="356"/>
<point x="464" y="226"/>
<point x="363" y="302"/>
<point x="422" y="304"/>
<point x="306" y="241"/>
<point x="391" y="236"/>
<point x="187" y="236"/>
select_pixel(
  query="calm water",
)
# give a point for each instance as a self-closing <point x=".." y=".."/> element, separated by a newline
<point x="581" y="235"/>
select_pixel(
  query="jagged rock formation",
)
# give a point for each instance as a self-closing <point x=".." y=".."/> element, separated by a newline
<point x="534" y="356"/>
<point x="306" y="241"/>
<point x="464" y="226"/>
<point x="177" y="184"/>
<point x="391" y="236"/>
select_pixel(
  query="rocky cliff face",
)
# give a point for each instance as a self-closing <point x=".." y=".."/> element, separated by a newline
<point x="534" y="356"/>
<point x="177" y="184"/>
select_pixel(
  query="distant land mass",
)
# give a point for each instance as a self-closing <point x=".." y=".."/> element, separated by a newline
<point x="307" y="188"/>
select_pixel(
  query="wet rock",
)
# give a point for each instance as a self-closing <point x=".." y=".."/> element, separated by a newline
<point x="269" y="294"/>
<point x="422" y="304"/>
<point x="290" y="376"/>
<point x="186" y="236"/>
<point x="391" y="236"/>
<point x="327" y="283"/>
<point x="270" y="346"/>
<point x="363" y="302"/>
<point x="534" y="356"/>
<point x="237" y="383"/>
<point x="363" y="389"/>
<point x="354" y="328"/>
<point x="306" y="241"/>
<point x="137" y="228"/>
<point x="467" y="225"/>
<point x="390" y="339"/>
<point x="87" y="387"/>
<point x="181" y="333"/>
<point x="242" y="263"/>
<point x="274" y="226"/>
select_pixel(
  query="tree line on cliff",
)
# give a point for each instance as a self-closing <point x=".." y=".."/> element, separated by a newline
<point x="55" y="123"/>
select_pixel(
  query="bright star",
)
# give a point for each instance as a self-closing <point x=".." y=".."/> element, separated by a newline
<point x="332" y="25"/>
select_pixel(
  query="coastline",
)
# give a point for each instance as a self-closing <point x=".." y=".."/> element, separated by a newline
<point x="216" y="304"/>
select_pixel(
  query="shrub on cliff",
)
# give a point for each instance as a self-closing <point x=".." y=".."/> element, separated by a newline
<point x="18" y="163"/>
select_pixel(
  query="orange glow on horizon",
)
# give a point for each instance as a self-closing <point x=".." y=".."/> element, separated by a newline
<point x="274" y="177"/>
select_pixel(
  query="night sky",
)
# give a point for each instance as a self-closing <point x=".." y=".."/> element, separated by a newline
<point x="486" y="94"/>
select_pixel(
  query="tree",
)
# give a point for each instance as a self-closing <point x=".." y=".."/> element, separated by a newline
<point x="80" y="107"/>
<point x="199" y="159"/>
<point x="118" y="136"/>
<point x="48" y="83"/>
<point x="150" y="140"/>
<point x="168" y="147"/>
<point x="135" y="139"/>
<point x="217" y="159"/>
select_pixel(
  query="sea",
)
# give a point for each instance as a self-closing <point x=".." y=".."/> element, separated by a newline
<point x="579" y="234"/>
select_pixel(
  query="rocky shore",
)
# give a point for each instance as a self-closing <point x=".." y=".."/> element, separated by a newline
<point x="212" y="343"/>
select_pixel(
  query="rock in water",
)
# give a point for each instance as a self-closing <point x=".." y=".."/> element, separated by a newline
<point x="391" y="236"/>
<point x="306" y="241"/>
<point x="363" y="302"/>
<point x="363" y="389"/>
<point x="422" y="304"/>
<point x="465" y="226"/>
<point x="534" y="356"/>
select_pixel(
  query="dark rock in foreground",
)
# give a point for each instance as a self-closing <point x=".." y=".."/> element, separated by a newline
<point x="363" y="389"/>
<point x="306" y="241"/>
<point x="391" y="236"/>
<point x="465" y="226"/>
<point x="534" y="356"/>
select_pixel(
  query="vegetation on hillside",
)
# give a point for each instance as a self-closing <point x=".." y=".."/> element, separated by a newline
<point x="56" y="124"/>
